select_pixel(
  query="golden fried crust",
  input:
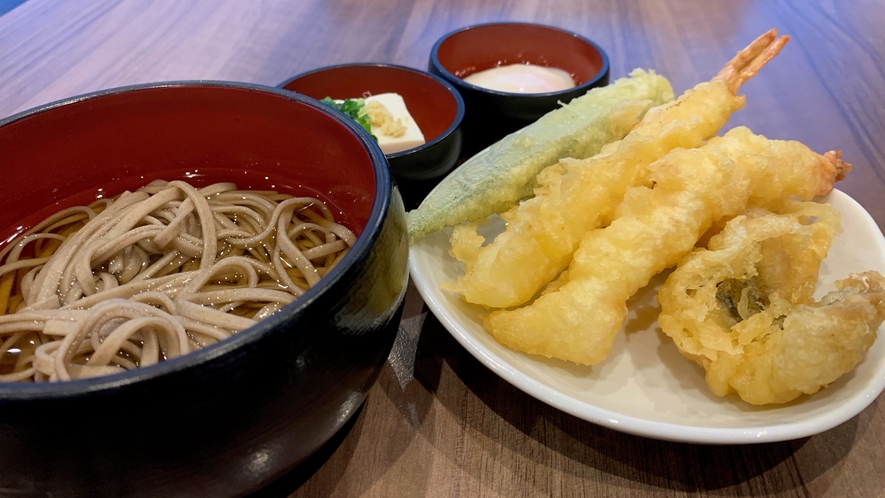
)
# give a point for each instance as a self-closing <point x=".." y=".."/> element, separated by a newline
<point x="575" y="196"/>
<point x="743" y="311"/>
<point x="652" y="230"/>
<point x="495" y="180"/>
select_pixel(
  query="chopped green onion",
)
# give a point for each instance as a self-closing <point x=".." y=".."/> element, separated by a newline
<point x="353" y="108"/>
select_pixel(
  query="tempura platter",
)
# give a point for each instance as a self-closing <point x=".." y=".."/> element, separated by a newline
<point x="644" y="386"/>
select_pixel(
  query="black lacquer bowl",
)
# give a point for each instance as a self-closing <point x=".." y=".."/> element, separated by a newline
<point x="227" y="419"/>
<point x="434" y="104"/>
<point x="492" y="114"/>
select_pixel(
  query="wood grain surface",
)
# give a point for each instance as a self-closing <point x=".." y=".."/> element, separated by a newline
<point x="438" y="423"/>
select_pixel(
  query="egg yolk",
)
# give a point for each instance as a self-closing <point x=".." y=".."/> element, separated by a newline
<point x="522" y="78"/>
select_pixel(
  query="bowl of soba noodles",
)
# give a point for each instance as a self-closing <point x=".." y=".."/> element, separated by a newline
<point x="199" y="282"/>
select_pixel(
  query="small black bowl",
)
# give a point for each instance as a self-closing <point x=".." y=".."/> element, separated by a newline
<point x="227" y="419"/>
<point x="493" y="114"/>
<point x="437" y="108"/>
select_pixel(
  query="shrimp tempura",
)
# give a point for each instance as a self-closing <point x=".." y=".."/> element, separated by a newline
<point x="576" y="196"/>
<point x="652" y="230"/>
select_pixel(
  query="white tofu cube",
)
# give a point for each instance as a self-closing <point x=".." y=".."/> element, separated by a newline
<point x="406" y="138"/>
<point x="396" y="106"/>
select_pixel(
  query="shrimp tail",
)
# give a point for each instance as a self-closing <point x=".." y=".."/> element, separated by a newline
<point x="833" y="169"/>
<point x="750" y="60"/>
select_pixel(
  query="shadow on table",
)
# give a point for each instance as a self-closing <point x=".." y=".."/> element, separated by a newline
<point x="424" y="352"/>
<point x="290" y="482"/>
<point x="396" y="381"/>
<point x="335" y="456"/>
<point x="633" y="460"/>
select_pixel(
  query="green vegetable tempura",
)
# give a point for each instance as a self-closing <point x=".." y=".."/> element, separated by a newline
<point x="496" y="179"/>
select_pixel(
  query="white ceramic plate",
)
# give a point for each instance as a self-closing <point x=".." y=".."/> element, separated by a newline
<point x="645" y="386"/>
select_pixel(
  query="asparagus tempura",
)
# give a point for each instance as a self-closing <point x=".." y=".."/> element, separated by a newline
<point x="493" y="181"/>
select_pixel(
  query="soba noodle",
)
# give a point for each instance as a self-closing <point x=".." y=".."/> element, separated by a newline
<point x="155" y="274"/>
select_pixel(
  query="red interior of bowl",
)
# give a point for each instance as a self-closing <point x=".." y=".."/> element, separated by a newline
<point x="483" y="47"/>
<point x="430" y="103"/>
<point x="103" y="145"/>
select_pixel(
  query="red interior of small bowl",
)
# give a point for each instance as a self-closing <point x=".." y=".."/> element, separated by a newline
<point x="487" y="46"/>
<point x="103" y="145"/>
<point x="430" y="103"/>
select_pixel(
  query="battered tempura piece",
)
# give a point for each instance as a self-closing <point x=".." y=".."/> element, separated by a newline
<point x="743" y="308"/>
<point x="493" y="181"/>
<point x="652" y="230"/>
<point x="574" y="196"/>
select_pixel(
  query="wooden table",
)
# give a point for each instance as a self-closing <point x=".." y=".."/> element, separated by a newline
<point x="438" y="423"/>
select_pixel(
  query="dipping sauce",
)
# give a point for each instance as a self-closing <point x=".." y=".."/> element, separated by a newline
<point x="522" y="78"/>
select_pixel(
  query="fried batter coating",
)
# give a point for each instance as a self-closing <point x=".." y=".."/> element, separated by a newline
<point x="493" y="181"/>
<point x="743" y="308"/>
<point x="652" y="230"/>
<point x="576" y="196"/>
